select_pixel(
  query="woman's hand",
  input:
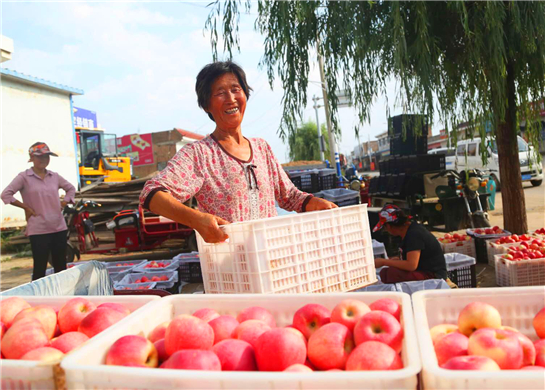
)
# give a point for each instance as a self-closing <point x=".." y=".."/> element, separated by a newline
<point x="315" y="204"/>
<point x="63" y="204"/>
<point x="209" y="228"/>
<point x="379" y="262"/>
<point x="29" y="213"/>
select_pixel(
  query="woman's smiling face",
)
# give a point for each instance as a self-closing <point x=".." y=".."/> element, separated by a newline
<point x="227" y="102"/>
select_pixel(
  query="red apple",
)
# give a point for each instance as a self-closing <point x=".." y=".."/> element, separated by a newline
<point x="69" y="341"/>
<point x="158" y="332"/>
<point x="502" y="346"/>
<point x="188" y="332"/>
<point x="379" y="326"/>
<point x="206" y="314"/>
<point x="480" y="363"/>
<point x="116" y="306"/>
<point x="45" y="314"/>
<point x="224" y="327"/>
<point x="372" y="356"/>
<point x="540" y="352"/>
<point x="22" y="337"/>
<point x="250" y="331"/>
<point x="257" y="313"/>
<point x="43" y="354"/>
<point x="533" y="368"/>
<point x="132" y="349"/>
<point x="348" y="312"/>
<point x="440" y="331"/>
<point x="72" y="313"/>
<point x="389" y="306"/>
<point x="451" y="345"/>
<point x="193" y="359"/>
<point x="539" y="323"/>
<point x="98" y="320"/>
<point x="10" y="307"/>
<point x="161" y="350"/>
<point x="235" y="355"/>
<point x="478" y="315"/>
<point x="310" y="318"/>
<point x="3" y="329"/>
<point x="330" y="346"/>
<point x="298" y="368"/>
<point x="279" y="348"/>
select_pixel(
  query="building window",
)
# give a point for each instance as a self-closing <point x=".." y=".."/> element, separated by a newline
<point x="461" y="150"/>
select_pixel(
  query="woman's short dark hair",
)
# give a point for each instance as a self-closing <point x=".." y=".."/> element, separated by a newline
<point x="210" y="73"/>
<point x="401" y="219"/>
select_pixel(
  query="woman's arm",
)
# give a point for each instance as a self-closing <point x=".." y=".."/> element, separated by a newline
<point x="8" y="196"/>
<point x="69" y="189"/>
<point x="411" y="264"/>
<point x="207" y="225"/>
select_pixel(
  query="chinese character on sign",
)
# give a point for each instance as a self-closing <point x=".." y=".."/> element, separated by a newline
<point x="79" y="122"/>
<point x="85" y="122"/>
<point x="91" y="124"/>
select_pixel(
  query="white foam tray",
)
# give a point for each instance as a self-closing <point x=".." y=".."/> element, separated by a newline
<point x="517" y="307"/>
<point x="24" y="374"/>
<point x="84" y="369"/>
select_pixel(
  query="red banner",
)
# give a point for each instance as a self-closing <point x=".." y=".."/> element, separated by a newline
<point x="138" y="147"/>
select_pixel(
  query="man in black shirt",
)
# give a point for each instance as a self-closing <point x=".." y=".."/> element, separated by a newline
<point x="421" y="254"/>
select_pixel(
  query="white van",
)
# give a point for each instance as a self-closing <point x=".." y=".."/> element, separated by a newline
<point x="470" y="148"/>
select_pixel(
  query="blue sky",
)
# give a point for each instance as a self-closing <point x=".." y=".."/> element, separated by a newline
<point x="137" y="64"/>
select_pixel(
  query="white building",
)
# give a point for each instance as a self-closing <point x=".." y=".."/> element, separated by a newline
<point x="34" y="110"/>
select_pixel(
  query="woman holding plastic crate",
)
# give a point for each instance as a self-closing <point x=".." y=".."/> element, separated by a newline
<point x="46" y="227"/>
<point x="422" y="257"/>
<point x="233" y="178"/>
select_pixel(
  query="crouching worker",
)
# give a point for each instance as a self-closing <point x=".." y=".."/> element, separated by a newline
<point x="420" y="257"/>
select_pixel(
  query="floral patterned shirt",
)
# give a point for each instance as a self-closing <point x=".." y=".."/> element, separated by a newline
<point x="226" y="186"/>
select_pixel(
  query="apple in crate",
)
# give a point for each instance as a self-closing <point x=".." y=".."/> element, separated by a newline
<point x="43" y="354"/>
<point x="193" y="359"/>
<point x="257" y="313"/>
<point x="161" y="350"/>
<point x="206" y="314"/>
<point x="502" y="346"/>
<point x="528" y="348"/>
<point x="539" y="323"/>
<point x="158" y="332"/>
<point x="250" y="331"/>
<point x="330" y="346"/>
<point x="348" y="312"/>
<point x="439" y="331"/>
<point x="451" y="345"/>
<point x="10" y="307"/>
<point x="188" y="332"/>
<point x="224" y="327"/>
<point x="132" y="349"/>
<point x="45" y="314"/>
<point x="72" y="313"/>
<point x="379" y="326"/>
<point x="310" y="318"/>
<point x="235" y="355"/>
<point x="540" y="352"/>
<point x="478" y="315"/>
<point x="298" y="368"/>
<point x="99" y="319"/>
<point x="388" y="305"/>
<point x="372" y="356"/>
<point x="69" y="341"/>
<point x="279" y="348"/>
<point x="3" y="329"/>
<point x="22" y="337"/>
<point x="479" y="363"/>
<point x="116" y="306"/>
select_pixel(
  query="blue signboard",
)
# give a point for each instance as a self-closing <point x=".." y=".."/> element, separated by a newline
<point x="85" y="118"/>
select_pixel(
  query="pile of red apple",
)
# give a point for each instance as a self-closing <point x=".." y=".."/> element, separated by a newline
<point x="540" y="231"/>
<point x="41" y="333"/>
<point x="513" y="238"/>
<point x="489" y="231"/>
<point x="526" y="250"/>
<point x="156" y="278"/>
<point x="124" y="264"/>
<point x="480" y="342"/>
<point x="156" y="264"/>
<point x="352" y="337"/>
<point x="450" y="238"/>
<point x="134" y="288"/>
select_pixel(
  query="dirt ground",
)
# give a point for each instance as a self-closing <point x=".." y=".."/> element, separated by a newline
<point x="17" y="271"/>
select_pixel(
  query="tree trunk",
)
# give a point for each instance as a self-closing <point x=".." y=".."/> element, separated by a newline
<point x="514" y="204"/>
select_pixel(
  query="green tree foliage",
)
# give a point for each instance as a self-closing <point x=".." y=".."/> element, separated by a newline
<point x="482" y="62"/>
<point x="304" y="144"/>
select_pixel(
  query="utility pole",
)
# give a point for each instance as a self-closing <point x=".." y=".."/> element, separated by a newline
<point x="332" y="143"/>
<point x="320" y="139"/>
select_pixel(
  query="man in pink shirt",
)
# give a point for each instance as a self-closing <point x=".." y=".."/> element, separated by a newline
<point x="46" y="227"/>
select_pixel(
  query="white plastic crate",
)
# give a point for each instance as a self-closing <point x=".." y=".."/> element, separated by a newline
<point x="172" y="266"/>
<point x="322" y="251"/>
<point x="135" y="286"/>
<point x="520" y="272"/>
<point x="24" y="374"/>
<point x="493" y="249"/>
<point x="464" y="247"/>
<point x="517" y="307"/>
<point x="164" y="284"/>
<point x="85" y="369"/>
<point x="125" y="263"/>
